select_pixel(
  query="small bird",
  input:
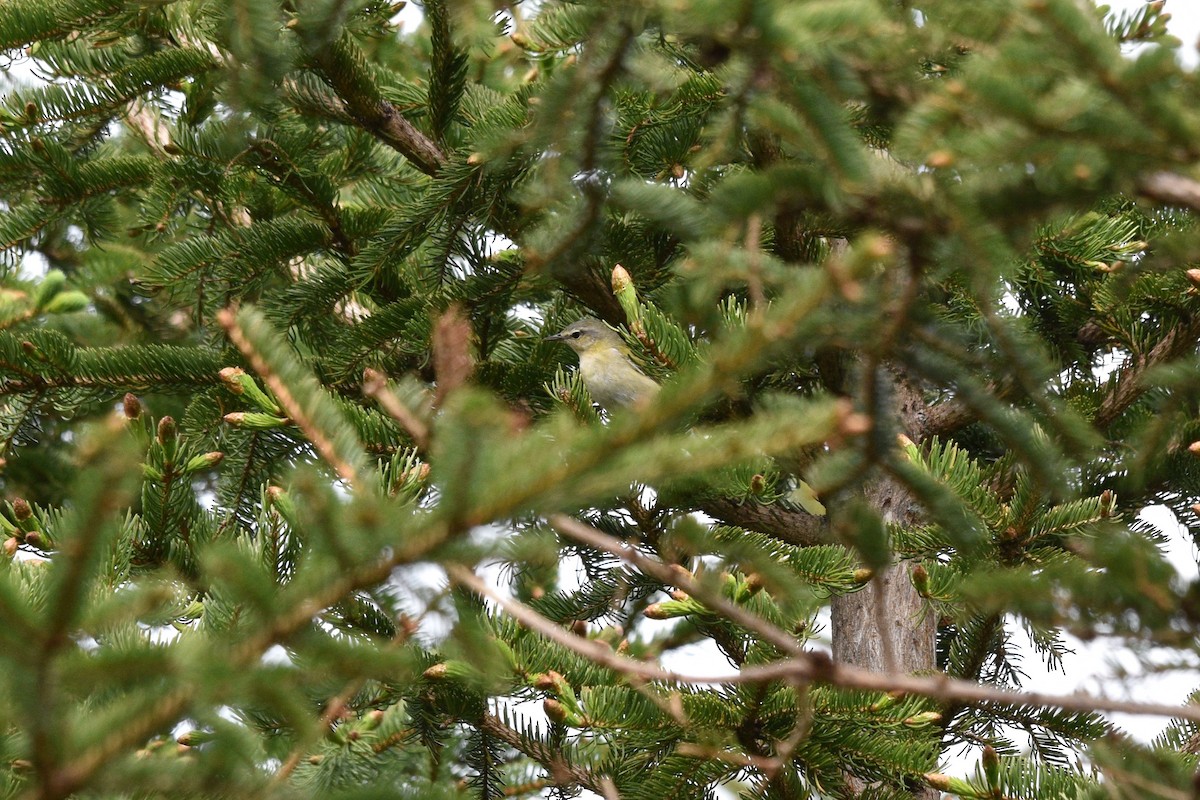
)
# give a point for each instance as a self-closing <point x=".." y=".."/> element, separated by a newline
<point x="608" y="372"/>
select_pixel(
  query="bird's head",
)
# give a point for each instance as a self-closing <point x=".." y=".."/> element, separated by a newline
<point x="588" y="334"/>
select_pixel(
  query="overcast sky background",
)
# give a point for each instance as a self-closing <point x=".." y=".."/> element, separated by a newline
<point x="1184" y="23"/>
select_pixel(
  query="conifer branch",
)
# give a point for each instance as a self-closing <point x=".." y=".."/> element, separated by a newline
<point x="334" y="708"/>
<point x="945" y="417"/>
<point x="591" y="649"/>
<point x="816" y="666"/>
<point x="149" y="125"/>
<point x="377" y="115"/>
<point x="562" y="773"/>
<point x="375" y="387"/>
<point x="78" y="773"/>
<point x="744" y="180"/>
<point x="1129" y="385"/>
<point x="788" y="525"/>
<point x="802" y="667"/>
<point x="297" y="413"/>
<point x="591" y="288"/>
<point x="674" y="576"/>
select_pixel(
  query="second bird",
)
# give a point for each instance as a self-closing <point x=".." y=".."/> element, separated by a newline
<point x="605" y="365"/>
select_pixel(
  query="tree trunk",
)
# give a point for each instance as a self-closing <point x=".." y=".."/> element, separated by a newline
<point x="884" y="627"/>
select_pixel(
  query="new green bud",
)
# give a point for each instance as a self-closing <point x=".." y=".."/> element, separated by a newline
<point x="21" y="509"/>
<point x="956" y="786"/>
<point x="255" y="420"/>
<point x="555" y="710"/>
<point x="237" y="381"/>
<point x="195" y="737"/>
<point x="203" y="462"/>
<point x="923" y="719"/>
<point x="670" y="609"/>
<point x="991" y="768"/>
<point x="553" y="681"/>
<point x="448" y="671"/>
<point x="167" y="437"/>
<point x="281" y="501"/>
<point x="50" y="286"/>
<point x="887" y="701"/>
<point x="68" y="302"/>
<point x="166" y="431"/>
<point x="626" y="294"/>
<point x="506" y="652"/>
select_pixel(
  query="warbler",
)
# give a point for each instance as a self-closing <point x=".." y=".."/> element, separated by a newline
<point x="605" y="365"/>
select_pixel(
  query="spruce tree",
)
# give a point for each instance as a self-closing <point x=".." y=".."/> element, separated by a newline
<point x="299" y="502"/>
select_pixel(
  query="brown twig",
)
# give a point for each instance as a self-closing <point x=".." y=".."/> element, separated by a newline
<point x="754" y="278"/>
<point x="608" y="788"/>
<point x="791" y="526"/>
<point x="380" y="118"/>
<point x="452" y="360"/>
<point x="333" y="709"/>
<point x="1171" y="189"/>
<point x="817" y="667"/>
<point x="812" y="666"/>
<point x="375" y="387"/>
<point x="595" y="651"/>
<point x="945" y="417"/>
<point x="675" y="576"/>
<point x="562" y="772"/>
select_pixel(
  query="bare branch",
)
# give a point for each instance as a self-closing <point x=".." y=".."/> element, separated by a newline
<point x="946" y="417"/>
<point x="675" y="576"/>
<point x="452" y="361"/>
<point x="803" y="666"/>
<point x="949" y="416"/>
<point x="791" y="526"/>
<point x="1171" y="189"/>
<point x="377" y="115"/>
<point x="816" y="667"/>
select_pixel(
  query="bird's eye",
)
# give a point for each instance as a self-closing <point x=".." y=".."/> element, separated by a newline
<point x="576" y="334"/>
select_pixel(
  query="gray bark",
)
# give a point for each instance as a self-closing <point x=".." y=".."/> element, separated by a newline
<point x="884" y="627"/>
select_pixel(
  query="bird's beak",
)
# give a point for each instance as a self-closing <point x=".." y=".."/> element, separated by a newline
<point x="558" y="337"/>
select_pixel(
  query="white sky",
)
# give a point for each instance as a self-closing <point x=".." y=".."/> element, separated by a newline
<point x="1184" y="23"/>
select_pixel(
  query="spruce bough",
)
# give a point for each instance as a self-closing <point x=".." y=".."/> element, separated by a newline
<point x="357" y="526"/>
